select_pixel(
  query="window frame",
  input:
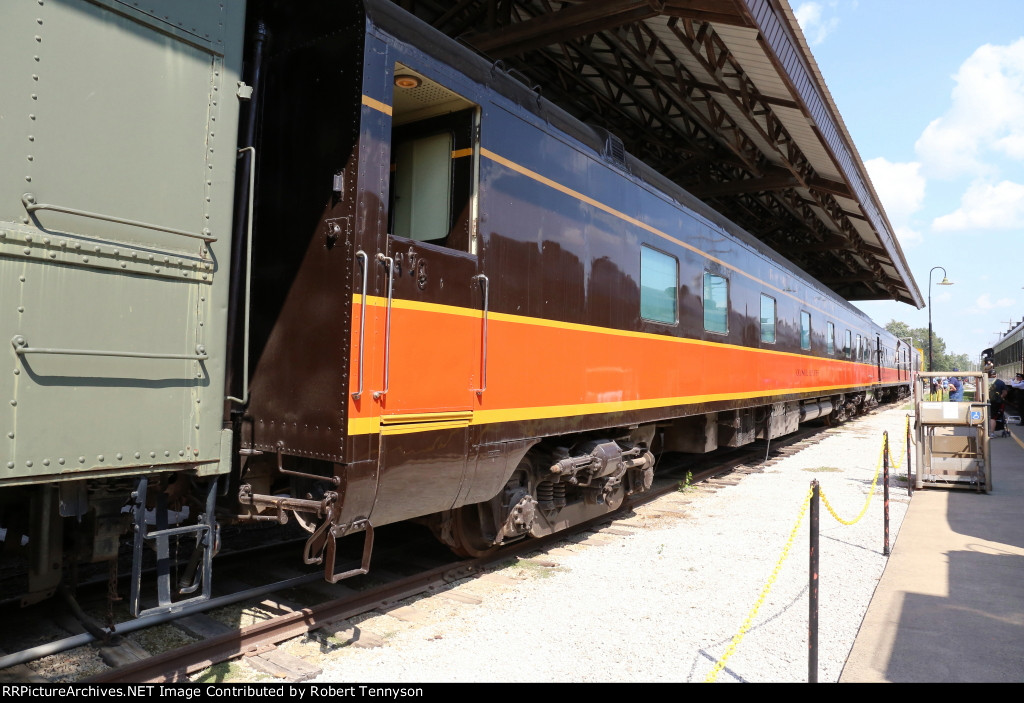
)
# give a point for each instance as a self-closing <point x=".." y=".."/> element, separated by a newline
<point x="704" y="301"/>
<point x="675" y="299"/>
<point x="423" y="168"/>
<point x="805" y="315"/>
<point x="830" y="342"/>
<point x="775" y="320"/>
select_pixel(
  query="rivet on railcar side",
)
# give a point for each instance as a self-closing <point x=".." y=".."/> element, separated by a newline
<point x="414" y="290"/>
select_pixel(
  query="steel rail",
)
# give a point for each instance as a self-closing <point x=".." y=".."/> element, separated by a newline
<point x="134" y="624"/>
<point x="176" y="665"/>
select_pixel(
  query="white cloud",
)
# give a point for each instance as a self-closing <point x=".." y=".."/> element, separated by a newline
<point x="899" y="185"/>
<point x="1012" y="145"/>
<point x="986" y="119"/>
<point x="985" y="302"/>
<point x="908" y="237"/>
<point x="986" y="206"/>
<point x="948" y="148"/>
<point x="812" y="20"/>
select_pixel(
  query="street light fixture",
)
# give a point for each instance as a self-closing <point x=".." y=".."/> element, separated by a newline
<point x="944" y="282"/>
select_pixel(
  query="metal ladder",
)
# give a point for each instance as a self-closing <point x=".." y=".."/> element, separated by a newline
<point x="200" y="567"/>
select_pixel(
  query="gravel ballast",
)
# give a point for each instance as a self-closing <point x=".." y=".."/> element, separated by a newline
<point x="661" y="594"/>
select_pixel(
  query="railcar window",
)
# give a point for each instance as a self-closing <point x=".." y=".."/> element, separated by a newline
<point x="659" y="283"/>
<point x="805" y="329"/>
<point x="848" y="344"/>
<point x="859" y="354"/>
<point x="716" y="303"/>
<point x="431" y="197"/>
<point x="1009" y="354"/>
<point x="767" y="319"/>
<point x="422" y="187"/>
<point x="831" y="338"/>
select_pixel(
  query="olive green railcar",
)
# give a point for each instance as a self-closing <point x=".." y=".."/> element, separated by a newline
<point x="118" y="129"/>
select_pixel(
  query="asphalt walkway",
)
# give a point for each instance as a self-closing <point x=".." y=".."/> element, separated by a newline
<point x="950" y="605"/>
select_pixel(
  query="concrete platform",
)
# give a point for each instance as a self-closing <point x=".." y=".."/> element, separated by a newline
<point x="950" y="605"/>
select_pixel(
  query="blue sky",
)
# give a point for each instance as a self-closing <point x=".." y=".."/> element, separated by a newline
<point x="932" y="92"/>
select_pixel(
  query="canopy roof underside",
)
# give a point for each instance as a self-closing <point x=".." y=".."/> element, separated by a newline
<point x="721" y="96"/>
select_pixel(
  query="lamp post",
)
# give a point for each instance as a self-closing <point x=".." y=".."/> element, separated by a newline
<point x="944" y="282"/>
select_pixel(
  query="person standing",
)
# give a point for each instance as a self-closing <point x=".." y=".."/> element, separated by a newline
<point x="956" y="388"/>
<point x="996" y="401"/>
<point x="1016" y="392"/>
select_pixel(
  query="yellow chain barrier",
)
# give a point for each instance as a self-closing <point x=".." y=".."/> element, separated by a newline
<point x="893" y="463"/>
<point x="871" y="492"/>
<point x="764" y="593"/>
<point x="789" y="543"/>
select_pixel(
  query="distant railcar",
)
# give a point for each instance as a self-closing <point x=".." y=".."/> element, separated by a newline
<point x="1007" y="355"/>
<point x="367" y="278"/>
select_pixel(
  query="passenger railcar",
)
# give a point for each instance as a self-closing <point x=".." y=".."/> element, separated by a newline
<point x="413" y="290"/>
<point x="1007" y="355"/>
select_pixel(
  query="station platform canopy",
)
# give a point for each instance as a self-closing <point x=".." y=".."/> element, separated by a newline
<point x="721" y="96"/>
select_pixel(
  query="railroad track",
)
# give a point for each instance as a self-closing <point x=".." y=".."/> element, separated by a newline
<point x="249" y="624"/>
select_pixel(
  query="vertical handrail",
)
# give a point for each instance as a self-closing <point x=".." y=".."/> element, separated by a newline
<point x="248" y="278"/>
<point x="362" y="321"/>
<point x="483" y="372"/>
<point x="390" y="263"/>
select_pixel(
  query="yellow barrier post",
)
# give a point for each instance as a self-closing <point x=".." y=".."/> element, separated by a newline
<point x="812" y="598"/>
<point x="910" y="483"/>
<point x="885" y="491"/>
<point x="720" y="664"/>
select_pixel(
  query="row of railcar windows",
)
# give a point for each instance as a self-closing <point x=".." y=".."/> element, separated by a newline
<point x="659" y="282"/>
<point x="1010" y="354"/>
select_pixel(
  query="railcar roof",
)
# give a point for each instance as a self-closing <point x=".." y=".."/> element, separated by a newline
<point x="724" y="98"/>
<point x="1013" y="333"/>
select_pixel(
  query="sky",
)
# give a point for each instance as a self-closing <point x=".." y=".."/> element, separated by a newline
<point x="932" y="93"/>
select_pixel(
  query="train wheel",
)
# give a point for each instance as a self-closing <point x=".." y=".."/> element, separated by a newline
<point x="468" y="539"/>
<point x="614" y="501"/>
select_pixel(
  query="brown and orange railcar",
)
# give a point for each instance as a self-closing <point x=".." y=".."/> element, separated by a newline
<point x="452" y="301"/>
<point x="474" y="309"/>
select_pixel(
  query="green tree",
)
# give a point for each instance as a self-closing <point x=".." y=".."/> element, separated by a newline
<point x="959" y="361"/>
<point x="940" y="359"/>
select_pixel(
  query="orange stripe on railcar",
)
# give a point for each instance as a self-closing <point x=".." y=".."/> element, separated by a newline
<point x="542" y="368"/>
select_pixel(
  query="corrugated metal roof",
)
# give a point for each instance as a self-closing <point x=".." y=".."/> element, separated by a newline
<point x="721" y="96"/>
